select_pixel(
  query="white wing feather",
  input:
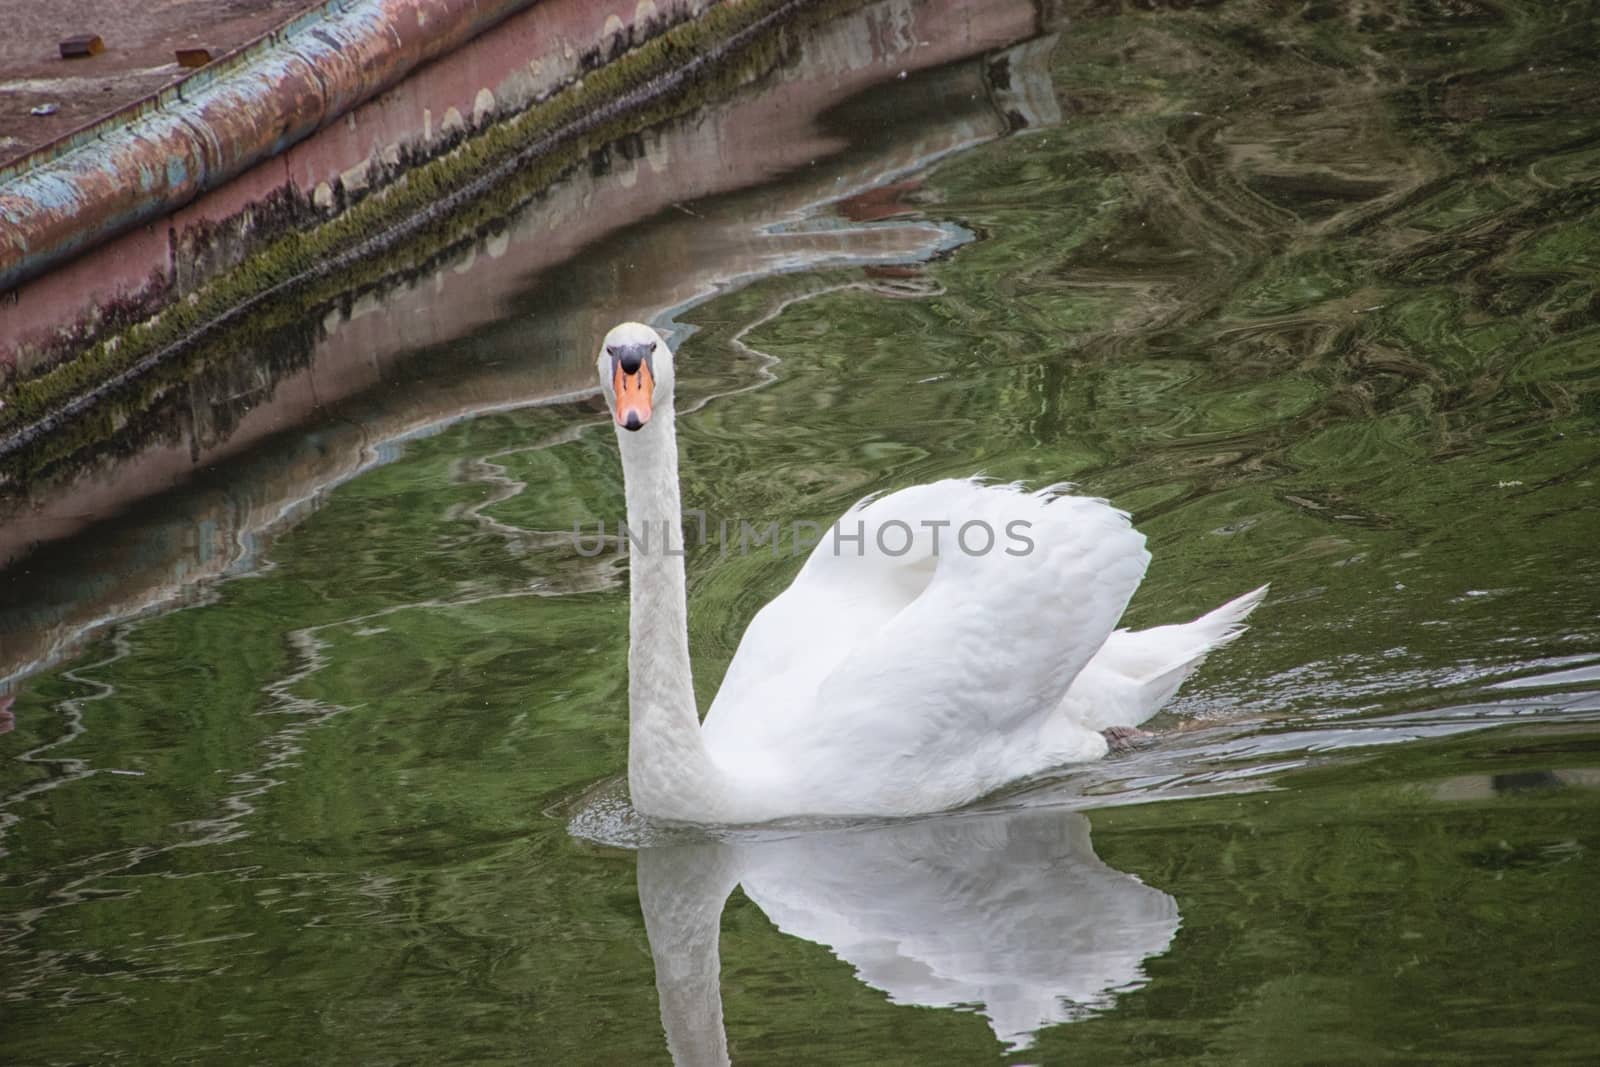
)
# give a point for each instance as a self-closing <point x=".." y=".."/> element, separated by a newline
<point x="879" y="681"/>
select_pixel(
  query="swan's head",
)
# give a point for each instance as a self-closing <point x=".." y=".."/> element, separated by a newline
<point x="635" y="373"/>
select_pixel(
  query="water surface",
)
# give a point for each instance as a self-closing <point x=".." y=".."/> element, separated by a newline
<point x="1312" y="293"/>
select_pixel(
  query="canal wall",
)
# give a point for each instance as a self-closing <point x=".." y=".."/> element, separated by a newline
<point x="91" y="347"/>
<point x="322" y="111"/>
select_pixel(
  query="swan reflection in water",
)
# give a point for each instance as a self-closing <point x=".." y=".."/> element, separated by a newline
<point x="1010" y="912"/>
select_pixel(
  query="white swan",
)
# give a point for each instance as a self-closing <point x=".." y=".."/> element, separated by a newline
<point x="908" y="668"/>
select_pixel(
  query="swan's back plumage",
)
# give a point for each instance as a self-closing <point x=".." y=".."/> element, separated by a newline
<point x="887" y="681"/>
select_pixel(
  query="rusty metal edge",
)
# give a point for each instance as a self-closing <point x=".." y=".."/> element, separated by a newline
<point x="113" y="174"/>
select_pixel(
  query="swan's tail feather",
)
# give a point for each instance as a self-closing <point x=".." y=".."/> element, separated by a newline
<point x="1225" y="624"/>
<point x="1197" y="640"/>
<point x="1137" y="671"/>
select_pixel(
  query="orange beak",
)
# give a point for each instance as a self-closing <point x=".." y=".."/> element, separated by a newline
<point x="633" y="396"/>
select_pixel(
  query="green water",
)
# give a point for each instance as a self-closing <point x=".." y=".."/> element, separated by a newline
<point x="1313" y="292"/>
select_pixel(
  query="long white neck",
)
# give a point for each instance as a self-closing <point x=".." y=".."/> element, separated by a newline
<point x="670" y="774"/>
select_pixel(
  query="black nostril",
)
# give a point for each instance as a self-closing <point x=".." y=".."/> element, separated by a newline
<point x="633" y="422"/>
